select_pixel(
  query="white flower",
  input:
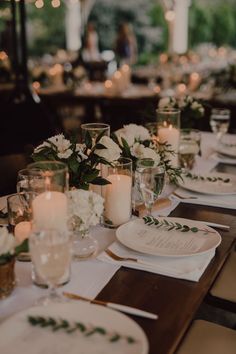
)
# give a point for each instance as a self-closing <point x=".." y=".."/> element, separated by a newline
<point x="84" y="208"/>
<point x="41" y="146"/>
<point x="140" y="152"/>
<point x="132" y="133"/>
<point x="7" y="242"/>
<point x="195" y="105"/>
<point x="79" y="148"/>
<point x="112" y="151"/>
<point x="63" y="146"/>
<point x="166" y="102"/>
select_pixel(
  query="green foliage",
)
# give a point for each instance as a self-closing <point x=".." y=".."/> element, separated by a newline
<point x="224" y="25"/>
<point x="48" y="27"/>
<point x="200" y="24"/>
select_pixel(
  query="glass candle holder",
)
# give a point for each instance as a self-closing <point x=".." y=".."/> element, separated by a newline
<point x="50" y="205"/>
<point x="94" y="130"/>
<point x="117" y="194"/>
<point x="168" y="129"/>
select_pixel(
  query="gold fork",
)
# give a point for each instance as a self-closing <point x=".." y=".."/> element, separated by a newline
<point x="181" y="197"/>
<point x="118" y="258"/>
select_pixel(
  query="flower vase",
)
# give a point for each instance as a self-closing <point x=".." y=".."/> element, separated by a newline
<point x="84" y="245"/>
<point x="7" y="278"/>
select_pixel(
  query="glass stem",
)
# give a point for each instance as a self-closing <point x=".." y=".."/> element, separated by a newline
<point x="149" y="209"/>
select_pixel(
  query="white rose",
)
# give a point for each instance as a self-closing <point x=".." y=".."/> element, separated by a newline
<point x="164" y="102"/>
<point x="7" y="242"/>
<point x="127" y="135"/>
<point x="140" y="133"/>
<point x="195" y="105"/>
<point x="141" y="152"/>
<point x="41" y="146"/>
<point x="112" y="151"/>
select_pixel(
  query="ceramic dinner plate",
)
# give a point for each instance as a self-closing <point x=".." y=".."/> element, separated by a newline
<point x="227" y="150"/>
<point x="18" y="336"/>
<point x="169" y="243"/>
<point x="225" y="184"/>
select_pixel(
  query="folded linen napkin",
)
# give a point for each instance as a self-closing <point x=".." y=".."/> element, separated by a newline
<point x="224" y="201"/>
<point x="188" y="268"/>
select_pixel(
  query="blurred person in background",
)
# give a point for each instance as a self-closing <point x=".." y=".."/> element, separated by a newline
<point x="126" y="45"/>
<point x="91" y="50"/>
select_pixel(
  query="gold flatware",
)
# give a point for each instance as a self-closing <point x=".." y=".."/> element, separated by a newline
<point x="122" y="308"/>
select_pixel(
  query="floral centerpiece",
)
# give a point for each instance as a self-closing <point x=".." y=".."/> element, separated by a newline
<point x="84" y="210"/>
<point x="136" y="143"/>
<point x="82" y="159"/>
<point x="191" y="109"/>
<point x="9" y="249"/>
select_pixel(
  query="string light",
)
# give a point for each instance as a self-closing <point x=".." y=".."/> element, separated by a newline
<point x="39" y="4"/>
<point x="56" y="3"/>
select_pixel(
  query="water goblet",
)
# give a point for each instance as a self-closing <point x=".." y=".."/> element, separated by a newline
<point x="150" y="179"/>
<point x="219" y="121"/>
<point x="94" y="130"/>
<point x="51" y="256"/>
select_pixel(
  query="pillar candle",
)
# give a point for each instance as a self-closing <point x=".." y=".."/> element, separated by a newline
<point x="50" y="211"/>
<point x="118" y="199"/>
<point x="170" y="135"/>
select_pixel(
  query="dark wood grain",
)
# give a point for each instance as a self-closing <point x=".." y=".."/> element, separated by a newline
<point x="175" y="301"/>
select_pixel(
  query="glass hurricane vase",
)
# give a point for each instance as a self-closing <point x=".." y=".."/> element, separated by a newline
<point x="84" y="245"/>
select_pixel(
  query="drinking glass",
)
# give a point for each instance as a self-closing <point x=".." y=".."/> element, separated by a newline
<point x="94" y="130"/>
<point x="219" y="121"/>
<point x="51" y="256"/>
<point x="150" y="180"/>
<point x="190" y="141"/>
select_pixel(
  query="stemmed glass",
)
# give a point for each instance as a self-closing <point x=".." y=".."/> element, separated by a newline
<point x="94" y="130"/>
<point x="150" y="180"/>
<point x="219" y="121"/>
<point x="51" y="256"/>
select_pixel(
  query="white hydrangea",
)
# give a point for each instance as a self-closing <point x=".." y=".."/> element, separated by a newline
<point x="7" y="242"/>
<point x="112" y="151"/>
<point x="132" y="133"/>
<point x="140" y="152"/>
<point x="84" y="209"/>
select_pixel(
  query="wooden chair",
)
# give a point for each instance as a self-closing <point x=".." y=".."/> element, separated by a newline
<point x="208" y="338"/>
<point x="9" y="167"/>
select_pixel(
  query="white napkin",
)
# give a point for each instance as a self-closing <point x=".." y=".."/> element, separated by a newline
<point x="223" y="159"/>
<point x="226" y="201"/>
<point x="189" y="268"/>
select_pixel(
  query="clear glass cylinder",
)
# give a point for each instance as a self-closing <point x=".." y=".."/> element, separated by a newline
<point x="94" y="130"/>
<point x="117" y="194"/>
<point x="168" y="129"/>
<point x="7" y="278"/>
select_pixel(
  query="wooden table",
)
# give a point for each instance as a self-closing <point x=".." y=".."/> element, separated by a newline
<point x="175" y="301"/>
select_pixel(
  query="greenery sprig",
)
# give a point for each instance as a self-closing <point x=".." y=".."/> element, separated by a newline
<point x="86" y="330"/>
<point x="202" y="178"/>
<point x="169" y="225"/>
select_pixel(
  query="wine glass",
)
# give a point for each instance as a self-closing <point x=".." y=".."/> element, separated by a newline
<point x="219" y="121"/>
<point x="51" y="256"/>
<point x="150" y="180"/>
<point x="94" y="130"/>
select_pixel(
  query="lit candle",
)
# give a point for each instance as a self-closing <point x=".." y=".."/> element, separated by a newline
<point x="194" y="81"/>
<point x="56" y="75"/>
<point x="117" y="82"/>
<point x="22" y="231"/>
<point x="126" y="75"/>
<point x="50" y="211"/>
<point x="118" y="199"/>
<point x="168" y="133"/>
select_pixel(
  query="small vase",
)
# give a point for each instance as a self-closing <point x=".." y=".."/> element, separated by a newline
<point x="84" y="245"/>
<point x="7" y="278"/>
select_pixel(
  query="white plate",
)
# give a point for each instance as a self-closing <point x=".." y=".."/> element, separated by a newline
<point x="161" y="242"/>
<point x="18" y="336"/>
<point x="226" y="150"/>
<point x="208" y="187"/>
